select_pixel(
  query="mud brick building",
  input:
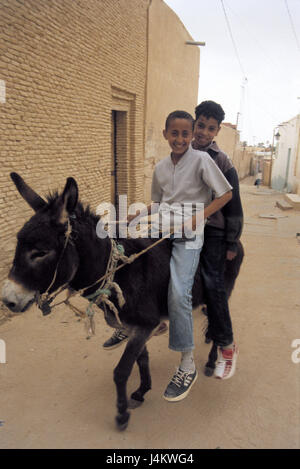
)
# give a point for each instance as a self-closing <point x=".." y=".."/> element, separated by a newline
<point x="75" y="79"/>
<point x="75" y="75"/>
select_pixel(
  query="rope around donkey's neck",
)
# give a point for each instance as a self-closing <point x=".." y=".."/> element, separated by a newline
<point x="125" y="259"/>
<point x="102" y="293"/>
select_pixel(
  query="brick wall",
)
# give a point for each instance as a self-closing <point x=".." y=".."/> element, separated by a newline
<point x="66" y="65"/>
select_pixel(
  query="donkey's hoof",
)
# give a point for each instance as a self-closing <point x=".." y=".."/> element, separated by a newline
<point x="208" y="371"/>
<point x="122" y="421"/>
<point x="134" y="403"/>
<point x="136" y="400"/>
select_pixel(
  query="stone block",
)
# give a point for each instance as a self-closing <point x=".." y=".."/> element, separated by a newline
<point x="294" y="200"/>
<point x="283" y="205"/>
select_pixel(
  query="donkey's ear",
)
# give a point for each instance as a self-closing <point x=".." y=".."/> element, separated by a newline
<point x="68" y="200"/>
<point x="70" y="195"/>
<point x="31" y="197"/>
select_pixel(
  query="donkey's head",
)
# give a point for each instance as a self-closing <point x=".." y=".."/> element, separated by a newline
<point x="43" y="260"/>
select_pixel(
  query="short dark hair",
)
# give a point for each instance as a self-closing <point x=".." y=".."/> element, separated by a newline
<point x="210" y="109"/>
<point x="179" y="115"/>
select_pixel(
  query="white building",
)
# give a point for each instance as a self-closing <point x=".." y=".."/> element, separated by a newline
<point x="286" y="164"/>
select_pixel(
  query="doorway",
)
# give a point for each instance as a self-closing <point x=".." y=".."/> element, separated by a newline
<point x="118" y="156"/>
<point x="287" y="170"/>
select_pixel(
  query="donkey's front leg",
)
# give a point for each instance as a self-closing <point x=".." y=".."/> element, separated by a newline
<point x="137" y="397"/>
<point x="123" y="370"/>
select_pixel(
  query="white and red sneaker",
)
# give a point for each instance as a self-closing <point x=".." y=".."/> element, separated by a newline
<point x="226" y="362"/>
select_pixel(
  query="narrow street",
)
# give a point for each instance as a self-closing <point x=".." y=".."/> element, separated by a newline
<point x="57" y="388"/>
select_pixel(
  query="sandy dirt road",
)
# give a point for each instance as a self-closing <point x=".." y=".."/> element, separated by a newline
<point x="57" y="387"/>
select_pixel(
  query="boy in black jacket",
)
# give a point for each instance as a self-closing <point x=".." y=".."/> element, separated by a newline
<point x="221" y="234"/>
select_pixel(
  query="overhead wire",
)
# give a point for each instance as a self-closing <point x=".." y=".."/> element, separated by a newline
<point x="260" y="48"/>
<point x="292" y="25"/>
<point x="279" y="68"/>
<point x="233" y="41"/>
<point x="240" y="116"/>
<point x="266" y="91"/>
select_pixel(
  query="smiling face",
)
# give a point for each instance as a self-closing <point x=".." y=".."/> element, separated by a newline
<point x="179" y="134"/>
<point x="206" y="129"/>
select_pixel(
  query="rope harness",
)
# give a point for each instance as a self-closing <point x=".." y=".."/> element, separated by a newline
<point x="103" y="292"/>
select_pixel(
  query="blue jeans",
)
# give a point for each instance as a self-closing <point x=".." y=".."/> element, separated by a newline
<point x="183" y="266"/>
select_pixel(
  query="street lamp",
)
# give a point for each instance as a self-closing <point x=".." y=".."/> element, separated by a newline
<point x="277" y="137"/>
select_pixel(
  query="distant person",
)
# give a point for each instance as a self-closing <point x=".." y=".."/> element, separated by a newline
<point x="258" y="179"/>
<point x="221" y="234"/>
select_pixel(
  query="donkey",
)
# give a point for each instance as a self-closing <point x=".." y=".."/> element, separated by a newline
<point x="59" y="248"/>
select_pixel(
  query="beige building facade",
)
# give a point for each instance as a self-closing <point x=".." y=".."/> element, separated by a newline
<point x="172" y="83"/>
<point x="286" y="158"/>
<point x="83" y="92"/>
<point x="74" y="75"/>
<point x="228" y="139"/>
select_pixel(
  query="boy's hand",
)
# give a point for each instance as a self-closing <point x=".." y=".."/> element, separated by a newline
<point x="132" y="217"/>
<point x="188" y="227"/>
<point x="196" y="223"/>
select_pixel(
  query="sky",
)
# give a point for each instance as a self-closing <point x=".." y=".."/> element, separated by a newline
<point x="251" y="61"/>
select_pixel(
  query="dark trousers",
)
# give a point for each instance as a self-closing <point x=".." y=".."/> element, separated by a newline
<point x="212" y="265"/>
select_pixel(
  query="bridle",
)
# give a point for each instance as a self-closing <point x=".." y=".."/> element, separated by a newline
<point x="102" y="293"/>
<point x="45" y="299"/>
<point x="100" y="296"/>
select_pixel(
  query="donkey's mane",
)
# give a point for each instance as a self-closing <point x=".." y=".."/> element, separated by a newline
<point x="86" y="218"/>
<point x="83" y="211"/>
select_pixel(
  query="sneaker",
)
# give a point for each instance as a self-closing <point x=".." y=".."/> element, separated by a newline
<point x="117" y="339"/>
<point x="180" y="385"/>
<point x="226" y="362"/>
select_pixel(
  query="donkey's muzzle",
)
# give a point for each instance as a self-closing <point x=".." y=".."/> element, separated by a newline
<point x="16" y="297"/>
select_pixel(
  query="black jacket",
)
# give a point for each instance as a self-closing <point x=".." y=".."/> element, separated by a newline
<point x="230" y="217"/>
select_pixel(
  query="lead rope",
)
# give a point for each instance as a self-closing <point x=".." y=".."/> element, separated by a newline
<point x="100" y="296"/>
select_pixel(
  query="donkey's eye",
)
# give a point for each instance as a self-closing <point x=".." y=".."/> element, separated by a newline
<point x="38" y="255"/>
